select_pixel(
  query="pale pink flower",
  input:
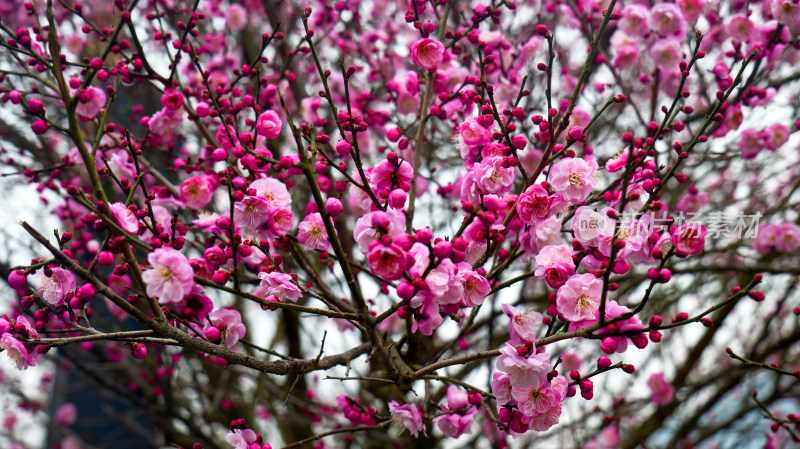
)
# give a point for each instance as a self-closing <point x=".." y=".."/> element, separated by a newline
<point x="387" y="261"/>
<point x="16" y="351"/>
<point x="241" y="438"/>
<point x="691" y="9"/>
<point x="374" y="225"/>
<point x="90" y="101"/>
<point x="634" y="20"/>
<point x="125" y="218"/>
<point x="472" y="135"/>
<point x="662" y="391"/>
<point x="523" y="370"/>
<point x="454" y="425"/>
<point x="534" y="400"/>
<point x="740" y="27"/>
<point x="666" y="53"/>
<point x="311" y="233"/>
<point x="170" y="277"/>
<point x="66" y="414"/>
<point x="494" y="175"/>
<point x="579" y="298"/>
<point x="269" y="124"/>
<point x="776" y="135"/>
<point x="229" y="321"/>
<point x="533" y="204"/>
<point x="164" y="122"/>
<point x="54" y="289"/>
<point x="501" y="388"/>
<point x="666" y="19"/>
<point x="442" y="283"/>
<point x="522" y="325"/>
<point x="280" y="285"/>
<point x="251" y="212"/>
<point x="789" y="237"/>
<point x="573" y="178"/>
<point x="546" y="420"/>
<point x="430" y="318"/>
<point x="554" y="264"/>
<point x="787" y="12"/>
<point x="273" y="191"/>
<point x="589" y="225"/>
<point x="196" y="192"/>
<point x="751" y="142"/>
<point x="688" y="238"/>
<point x="407" y="415"/>
<point x="475" y="287"/>
<point x="427" y="53"/>
<point x="279" y="222"/>
<point x="235" y="17"/>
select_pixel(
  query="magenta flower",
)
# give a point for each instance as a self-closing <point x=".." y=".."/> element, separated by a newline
<point x="196" y="192"/>
<point x="170" y="277"/>
<point x="387" y="261"/>
<point x="573" y="178"/>
<point x="387" y="175"/>
<point x="554" y="264"/>
<point x="533" y="205"/>
<point x="124" y="218"/>
<point x="407" y="415"/>
<point x="269" y="124"/>
<point x="579" y="298"/>
<point x="54" y="289"/>
<point x="688" y="238"/>
<point x="66" y="414"/>
<point x="427" y="53"/>
<point x="279" y="222"/>
<point x="312" y="234"/>
<point x="280" y="285"/>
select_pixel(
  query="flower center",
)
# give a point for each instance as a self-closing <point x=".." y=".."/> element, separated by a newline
<point x="575" y="180"/>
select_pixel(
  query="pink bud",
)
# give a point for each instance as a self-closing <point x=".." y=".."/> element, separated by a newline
<point x="17" y="280"/>
<point x="138" y="351"/>
<point x="40" y="127"/>
<point x="213" y="334"/>
<point x="333" y="206"/>
<point x="576" y="133"/>
<point x="397" y="199"/>
<point x="603" y="362"/>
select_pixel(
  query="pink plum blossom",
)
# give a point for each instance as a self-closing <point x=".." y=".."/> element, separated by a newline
<point x="573" y="178"/>
<point x="554" y="264"/>
<point x="125" y="218"/>
<point x="196" y="192"/>
<point x="269" y="125"/>
<point x="661" y="389"/>
<point x="312" y="234"/>
<point x="280" y="285"/>
<point x="688" y="238"/>
<point x="55" y="288"/>
<point x="579" y="298"/>
<point x="170" y="276"/>
<point x="407" y="415"/>
<point x="427" y="53"/>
